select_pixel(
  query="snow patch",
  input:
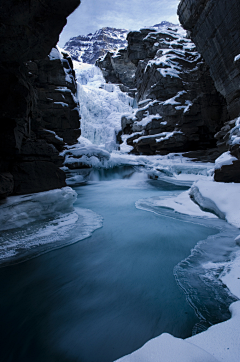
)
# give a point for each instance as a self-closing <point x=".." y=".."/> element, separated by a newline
<point x="220" y="198"/>
<point x="225" y="159"/>
<point x="167" y="348"/>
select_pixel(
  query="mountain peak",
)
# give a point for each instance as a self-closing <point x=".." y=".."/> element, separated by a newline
<point x="88" y="48"/>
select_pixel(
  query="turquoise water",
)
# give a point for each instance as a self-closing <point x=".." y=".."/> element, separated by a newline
<point x="104" y="296"/>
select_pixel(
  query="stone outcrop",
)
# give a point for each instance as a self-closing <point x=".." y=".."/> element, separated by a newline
<point x="214" y="27"/>
<point x="117" y="68"/>
<point x="29" y="148"/>
<point x="179" y="106"/>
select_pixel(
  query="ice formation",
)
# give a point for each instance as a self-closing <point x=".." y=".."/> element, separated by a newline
<point x="17" y="211"/>
<point x="102" y="106"/>
<point x="33" y="224"/>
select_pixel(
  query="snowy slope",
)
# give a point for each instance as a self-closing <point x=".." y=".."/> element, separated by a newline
<point x="88" y="48"/>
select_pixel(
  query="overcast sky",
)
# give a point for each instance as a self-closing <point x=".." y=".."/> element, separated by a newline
<point x="92" y="15"/>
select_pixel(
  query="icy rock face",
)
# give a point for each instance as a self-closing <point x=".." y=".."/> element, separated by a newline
<point x="89" y="48"/>
<point x="28" y="162"/>
<point x="179" y="107"/>
<point x="214" y="27"/>
<point x="118" y="68"/>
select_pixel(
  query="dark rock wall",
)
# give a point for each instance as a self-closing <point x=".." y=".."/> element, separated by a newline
<point x="214" y="27"/>
<point x="30" y="28"/>
<point x="29" y="161"/>
<point x="117" y="68"/>
<point x="179" y="106"/>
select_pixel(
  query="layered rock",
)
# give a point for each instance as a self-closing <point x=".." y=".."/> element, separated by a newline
<point x="117" y="68"/>
<point x="88" y="48"/>
<point x="213" y="26"/>
<point x="29" y="158"/>
<point x="179" y="106"/>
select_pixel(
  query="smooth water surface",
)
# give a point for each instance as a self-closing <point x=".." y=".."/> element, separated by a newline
<point x="105" y="296"/>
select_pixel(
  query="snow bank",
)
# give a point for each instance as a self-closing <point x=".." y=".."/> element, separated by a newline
<point x="222" y="340"/>
<point x="223" y="199"/>
<point x="167" y="348"/>
<point x="17" y="211"/>
<point x="85" y="155"/>
<point x="225" y="159"/>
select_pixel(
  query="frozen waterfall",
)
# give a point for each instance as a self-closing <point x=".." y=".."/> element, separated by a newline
<point x="102" y="106"/>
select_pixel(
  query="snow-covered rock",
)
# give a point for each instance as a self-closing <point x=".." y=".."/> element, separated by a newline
<point x="175" y="93"/>
<point x="88" y="48"/>
<point x="220" y="198"/>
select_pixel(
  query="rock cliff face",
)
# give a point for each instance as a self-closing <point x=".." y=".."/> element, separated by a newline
<point x="117" y="68"/>
<point x="214" y="27"/>
<point x="29" y="160"/>
<point x="179" y="108"/>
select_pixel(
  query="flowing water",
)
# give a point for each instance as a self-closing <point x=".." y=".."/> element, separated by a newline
<point x="73" y="291"/>
<point x="105" y="296"/>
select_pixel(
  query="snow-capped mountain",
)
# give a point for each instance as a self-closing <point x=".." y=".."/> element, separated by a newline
<point x="163" y="23"/>
<point x="88" y="48"/>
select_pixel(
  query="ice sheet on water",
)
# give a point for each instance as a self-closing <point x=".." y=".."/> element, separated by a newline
<point x="38" y="237"/>
<point x="33" y="224"/>
<point x="17" y="211"/>
<point x="179" y="203"/>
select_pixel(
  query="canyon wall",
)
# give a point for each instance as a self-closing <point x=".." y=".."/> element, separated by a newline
<point x="179" y="108"/>
<point x="214" y="28"/>
<point x="30" y="85"/>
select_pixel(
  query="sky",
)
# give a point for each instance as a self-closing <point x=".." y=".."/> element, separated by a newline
<point x="92" y="15"/>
